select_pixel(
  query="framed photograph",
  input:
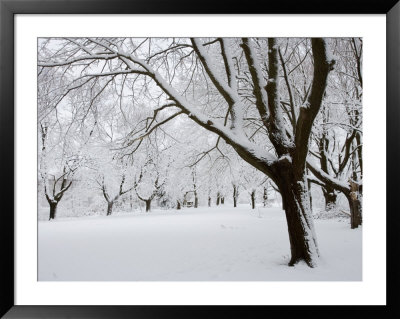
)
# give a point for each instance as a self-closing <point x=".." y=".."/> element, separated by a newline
<point x="158" y="154"/>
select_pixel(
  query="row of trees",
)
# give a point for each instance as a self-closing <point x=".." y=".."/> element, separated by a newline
<point x="147" y="176"/>
<point x="289" y="108"/>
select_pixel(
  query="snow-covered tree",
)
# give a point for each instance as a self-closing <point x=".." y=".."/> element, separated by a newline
<point x="56" y="169"/>
<point x="239" y="89"/>
<point x="252" y="181"/>
<point x="178" y="185"/>
<point x="150" y="178"/>
<point x="338" y="134"/>
<point x="111" y="177"/>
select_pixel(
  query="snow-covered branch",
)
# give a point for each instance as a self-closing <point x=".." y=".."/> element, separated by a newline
<point x="323" y="64"/>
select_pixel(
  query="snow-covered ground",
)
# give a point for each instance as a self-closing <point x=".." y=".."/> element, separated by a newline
<point x="222" y="243"/>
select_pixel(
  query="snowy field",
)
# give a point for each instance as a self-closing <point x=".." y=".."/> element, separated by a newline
<point x="217" y="244"/>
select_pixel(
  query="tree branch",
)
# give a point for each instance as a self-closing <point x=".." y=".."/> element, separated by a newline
<point x="322" y="65"/>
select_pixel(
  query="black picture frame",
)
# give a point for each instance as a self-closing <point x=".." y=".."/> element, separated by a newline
<point x="8" y="10"/>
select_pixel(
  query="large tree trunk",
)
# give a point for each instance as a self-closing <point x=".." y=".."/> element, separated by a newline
<point x="196" y="200"/>
<point x="303" y="241"/>
<point x="222" y="200"/>
<point x="148" y="205"/>
<point x="209" y="201"/>
<point x="355" y="212"/>
<point x="218" y="198"/>
<point x="253" y="199"/>
<point x="110" y="208"/>
<point x="178" y="204"/>
<point x="53" y="210"/>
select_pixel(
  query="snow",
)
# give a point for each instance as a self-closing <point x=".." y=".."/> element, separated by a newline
<point x="239" y="138"/>
<point x="306" y="105"/>
<point x="204" y="244"/>
<point x="333" y="180"/>
<point x="286" y="158"/>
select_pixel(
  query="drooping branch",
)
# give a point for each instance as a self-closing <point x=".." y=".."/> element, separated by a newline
<point x="327" y="179"/>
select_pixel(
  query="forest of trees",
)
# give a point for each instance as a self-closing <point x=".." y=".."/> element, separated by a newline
<point x="177" y="122"/>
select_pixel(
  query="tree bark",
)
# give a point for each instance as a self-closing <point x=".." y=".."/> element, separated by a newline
<point x="359" y="151"/>
<point x="222" y="200"/>
<point x="265" y="197"/>
<point x="355" y="204"/>
<point x="53" y="210"/>
<point x="196" y="199"/>
<point x="296" y="200"/>
<point x="178" y="204"/>
<point x="353" y="194"/>
<point x="355" y="212"/>
<point x="218" y="198"/>
<point x="253" y="199"/>
<point x="110" y="208"/>
<point x="148" y="205"/>
<point x="209" y="201"/>
<point x="235" y="195"/>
